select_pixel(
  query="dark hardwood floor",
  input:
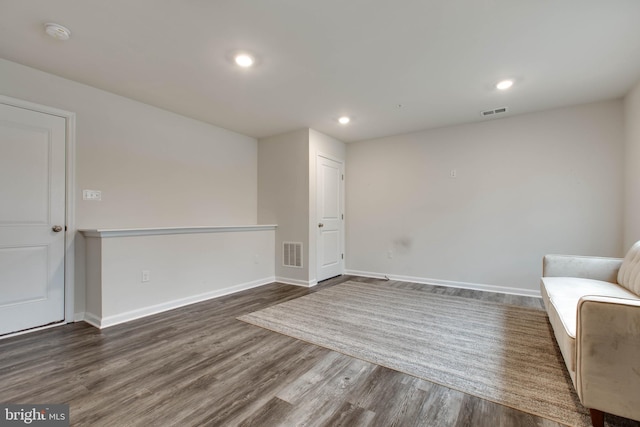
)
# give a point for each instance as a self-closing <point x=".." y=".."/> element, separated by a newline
<point x="198" y="366"/>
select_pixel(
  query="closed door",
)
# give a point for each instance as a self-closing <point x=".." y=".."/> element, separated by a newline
<point x="32" y="213"/>
<point x="330" y="216"/>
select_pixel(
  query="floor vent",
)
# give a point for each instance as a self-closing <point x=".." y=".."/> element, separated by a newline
<point x="489" y="113"/>
<point x="292" y="254"/>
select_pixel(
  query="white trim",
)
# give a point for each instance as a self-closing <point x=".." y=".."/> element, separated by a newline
<point x="36" y="329"/>
<point x="449" y="283"/>
<point x="70" y="190"/>
<point x="296" y="282"/>
<point x="27" y="105"/>
<point x="70" y="230"/>
<point x="105" y="322"/>
<point x="92" y="319"/>
<point x="127" y="232"/>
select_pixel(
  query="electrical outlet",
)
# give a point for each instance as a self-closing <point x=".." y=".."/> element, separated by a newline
<point x="146" y="276"/>
<point x="389" y="254"/>
<point x="453" y="173"/>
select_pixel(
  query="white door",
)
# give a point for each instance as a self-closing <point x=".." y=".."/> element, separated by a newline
<point x="330" y="218"/>
<point x="32" y="208"/>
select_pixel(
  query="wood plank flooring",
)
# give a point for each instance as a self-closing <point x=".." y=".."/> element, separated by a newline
<point x="199" y="366"/>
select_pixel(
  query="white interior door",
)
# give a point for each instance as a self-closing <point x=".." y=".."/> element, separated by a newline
<point x="32" y="208"/>
<point x="330" y="218"/>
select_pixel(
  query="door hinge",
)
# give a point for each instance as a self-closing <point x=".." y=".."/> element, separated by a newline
<point x="342" y="256"/>
<point x="65" y="228"/>
<point x="342" y="215"/>
<point x="343" y="177"/>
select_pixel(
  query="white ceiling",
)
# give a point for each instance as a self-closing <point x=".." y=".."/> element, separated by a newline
<point x="322" y="59"/>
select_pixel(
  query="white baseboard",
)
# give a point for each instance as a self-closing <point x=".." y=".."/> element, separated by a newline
<point x="296" y="282"/>
<point x="449" y="283"/>
<point x="78" y="317"/>
<point x="91" y="319"/>
<point x="105" y="322"/>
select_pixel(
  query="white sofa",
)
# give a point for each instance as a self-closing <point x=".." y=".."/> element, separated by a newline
<point x="593" y="305"/>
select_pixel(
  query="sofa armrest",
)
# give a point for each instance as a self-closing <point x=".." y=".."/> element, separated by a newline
<point x="585" y="267"/>
<point x="607" y="353"/>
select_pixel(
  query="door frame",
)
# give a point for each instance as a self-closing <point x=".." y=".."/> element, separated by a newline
<point x="70" y="185"/>
<point x="342" y="207"/>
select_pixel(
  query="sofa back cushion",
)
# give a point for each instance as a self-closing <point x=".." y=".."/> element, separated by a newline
<point x="629" y="274"/>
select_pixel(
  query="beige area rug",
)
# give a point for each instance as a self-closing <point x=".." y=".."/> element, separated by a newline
<point x="502" y="353"/>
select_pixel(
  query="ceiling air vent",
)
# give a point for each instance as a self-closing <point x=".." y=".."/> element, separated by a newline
<point x="292" y="254"/>
<point x="494" y="112"/>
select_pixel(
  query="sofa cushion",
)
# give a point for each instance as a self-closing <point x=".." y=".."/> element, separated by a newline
<point x="629" y="273"/>
<point x="565" y="342"/>
<point x="561" y="296"/>
<point x="565" y="292"/>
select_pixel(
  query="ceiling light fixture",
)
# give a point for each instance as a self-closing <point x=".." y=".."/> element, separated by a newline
<point x="504" y="84"/>
<point x="344" y="120"/>
<point x="244" y="60"/>
<point x="57" y="31"/>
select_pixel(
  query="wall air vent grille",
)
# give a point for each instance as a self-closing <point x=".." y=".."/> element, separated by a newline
<point x="292" y="254"/>
<point x="495" y="111"/>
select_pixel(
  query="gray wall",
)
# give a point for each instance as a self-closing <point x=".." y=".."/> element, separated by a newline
<point x="283" y="196"/>
<point x="527" y="185"/>
<point x="632" y="167"/>
<point x="154" y="168"/>
<point x="555" y="181"/>
<point x="287" y="194"/>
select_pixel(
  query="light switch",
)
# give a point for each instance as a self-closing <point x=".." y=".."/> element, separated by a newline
<point x="95" y="195"/>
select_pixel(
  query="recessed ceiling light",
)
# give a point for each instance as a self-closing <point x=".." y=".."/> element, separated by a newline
<point x="504" y="84"/>
<point x="57" y="31"/>
<point x="344" y="120"/>
<point x="244" y="60"/>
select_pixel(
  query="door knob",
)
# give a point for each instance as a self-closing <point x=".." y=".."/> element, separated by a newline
<point x="320" y="225"/>
<point x="56" y="228"/>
